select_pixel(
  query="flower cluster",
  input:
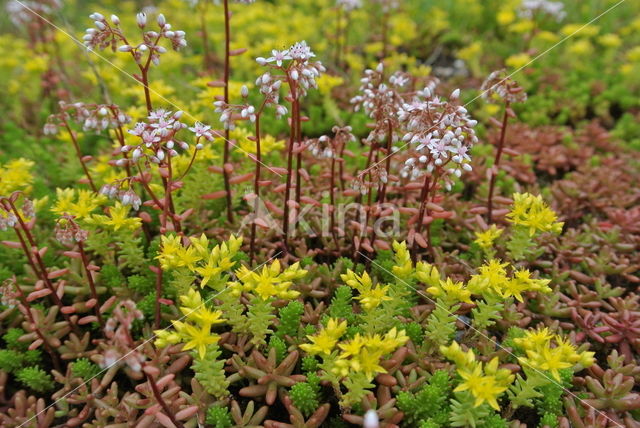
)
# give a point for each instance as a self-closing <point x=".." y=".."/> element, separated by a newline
<point x="92" y="117"/>
<point x="486" y="382"/>
<point x="77" y="202"/>
<point x="549" y="352"/>
<point x="486" y="238"/>
<point x="370" y="297"/>
<point x="125" y="196"/>
<point x="16" y="175"/>
<point x="7" y="219"/>
<point x="493" y="278"/>
<point x="500" y="86"/>
<point x="211" y="265"/>
<point x="555" y="9"/>
<point x="296" y="67"/>
<point x="195" y="333"/>
<point x="118" y="219"/>
<point x="441" y="131"/>
<point x="326" y="147"/>
<point x="68" y="231"/>
<point x="158" y="138"/>
<point x="363" y="354"/>
<point x="324" y="342"/>
<point x="270" y="282"/>
<point x="108" y="34"/>
<point x="533" y="213"/>
<point x="381" y="100"/>
<point x="231" y="113"/>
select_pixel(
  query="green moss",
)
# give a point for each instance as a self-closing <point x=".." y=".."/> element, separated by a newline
<point x="304" y="397"/>
<point x="36" y="379"/>
<point x="12" y="339"/>
<point x="280" y="346"/>
<point x="141" y="284"/>
<point x="219" y="417"/>
<point x="84" y="369"/>
<point x="309" y="364"/>
<point x="10" y="360"/>
<point x="289" y="318"/>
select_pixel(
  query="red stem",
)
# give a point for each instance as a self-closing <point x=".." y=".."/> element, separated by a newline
<point x="256" y="190"/>
<point x="227" y="59"/>
<point x="287" y="193"/>
<point x="492" y="180"/>
<point x="92" y="285"/>
<point x="79" y="154"/>
<point x="161" y="402"/>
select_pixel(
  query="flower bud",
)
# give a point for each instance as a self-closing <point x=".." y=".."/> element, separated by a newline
<point x="115" y="19"/>
<point x="125" y="48"/>
<point x="100" y="26"/>
<point x="244" y="91"/>
<point x="96" y="16"/>
<point x="141" y="19"/>
<point x="161" y="21"/>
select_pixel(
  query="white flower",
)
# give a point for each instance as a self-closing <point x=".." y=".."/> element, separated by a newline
<point x="279" y="56"/>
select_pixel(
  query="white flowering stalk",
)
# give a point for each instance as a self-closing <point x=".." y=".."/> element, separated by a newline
<point x="158" y="143"/>
<point x="440" y="134"/>
<point x="499" y="87"/>
<point x="93" y="118"/>
<point x="107" y="33"/>
<point x="293" y="67"/>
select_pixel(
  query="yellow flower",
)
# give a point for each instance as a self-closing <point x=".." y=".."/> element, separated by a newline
<point x="196" y="337"/>
<point x="533" y="213"/>
<point x="352" y="347"/>
<point x="363" y="354"/>
<point x="610" y="40"/>
<point x="506" y="16"/>
<point x="16" y="175"/>
<point x="518" y="60"/>
<point x="269" y="282"/>
<point x="580" y="30"/>
<point x="427" y="274"/>
<point x="486" y="238"/>
<point x="268" y="143"/>
<point x="543" y="354"/>
<point x="325" y="341"/>
<point x="86" y="203"/>
<point x="369" y="362"/>
<point x="369" y="297"/>
<point x="450" y="291"/>
<point x="326" y="82"/>
<point x="522" y="282"/>
<point x="118" y="218"/>
<point x="485" y="383"/>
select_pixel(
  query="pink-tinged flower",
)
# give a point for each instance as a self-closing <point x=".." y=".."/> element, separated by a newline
<point x="163" y="126"/>
<point x="158" y="114"/>
<point x="300" y="51"/>
<point x="138" y="129"/>
<point x="279" y="56"/>
<point x="149" y="138"/>
<point x="202" y="130"/>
